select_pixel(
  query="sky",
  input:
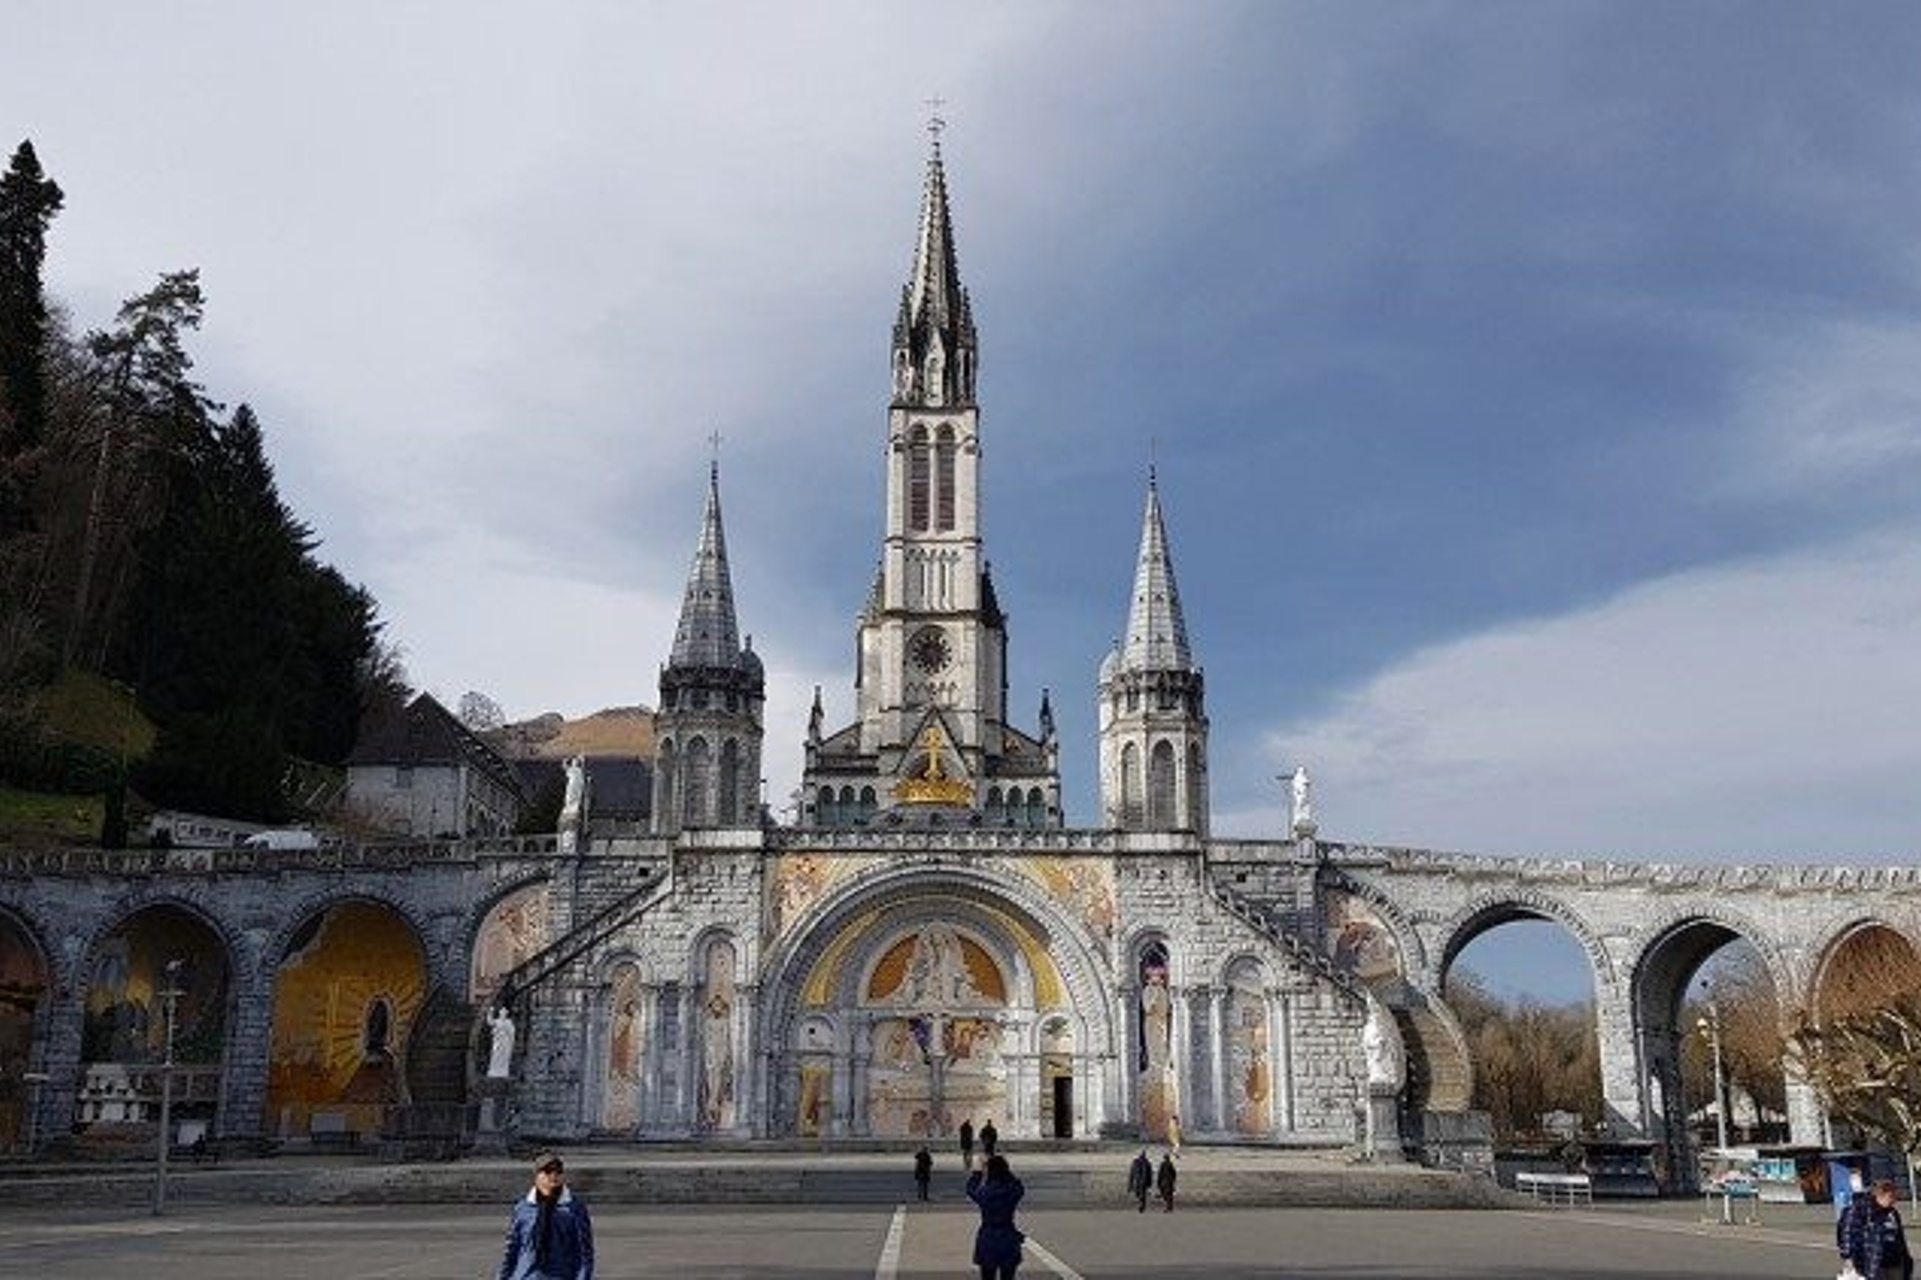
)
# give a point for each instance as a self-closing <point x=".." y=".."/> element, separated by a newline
<point x="1534" y="388"/>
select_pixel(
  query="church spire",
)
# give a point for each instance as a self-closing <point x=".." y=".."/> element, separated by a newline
<point x="708" y="635"/>
<point x="935" y="348"/>
<point x="1156" y="630"/>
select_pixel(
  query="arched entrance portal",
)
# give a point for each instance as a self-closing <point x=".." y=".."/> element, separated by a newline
<point x="157" y="982"/>
<point x="909" y="1006"/>
<point x="23" y="986"/>
<point x="353" y="979"/>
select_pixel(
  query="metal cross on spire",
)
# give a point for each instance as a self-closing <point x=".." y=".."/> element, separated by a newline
<point x="935" y="122"/>
<point x="713" y="444"/>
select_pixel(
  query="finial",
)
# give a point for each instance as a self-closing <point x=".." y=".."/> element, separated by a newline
<point x="935" y="124"/>
<point x="713" y="446"/>
<point x="1153" y="446"/>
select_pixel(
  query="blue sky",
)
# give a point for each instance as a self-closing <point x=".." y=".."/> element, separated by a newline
<point x="1535" y="388"/>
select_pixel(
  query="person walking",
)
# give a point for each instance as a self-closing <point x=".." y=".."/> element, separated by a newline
<point x="550" y="1236"/>
<point x="967" y="1145"/>
<point x="1875" y="1243"/>
<point x="990" y="1137"/>
<point x="997" y="1242"/>
<point x="1165" y="1181"/>
<point x="923" y="1169"/>
<point x="1140" y="1179"/>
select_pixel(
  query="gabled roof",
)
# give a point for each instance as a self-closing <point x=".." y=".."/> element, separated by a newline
<point x="426" y="734"/>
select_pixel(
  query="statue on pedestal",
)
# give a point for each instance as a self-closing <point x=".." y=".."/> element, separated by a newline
<point x="500" y="1044"/>
<point x="1300" y="789"/>
<point x="573" y="808"/>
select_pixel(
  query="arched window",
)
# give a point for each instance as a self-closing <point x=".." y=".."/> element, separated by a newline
<point x="867" y="806"/>
<point x="826" y="813"/>
<point x="995" y="809"/>
<point x="1196" y="787"/>
<point x="1130" y="815"/>
<point x="919" y="500"/>
<point x="1160" y="786"/>
<point x="728" y="810"/>
<point x="696" y="783"/>
<point x="1036" y="808"/>
<point x="944" y="480"/>
<point x="666" y="802"/>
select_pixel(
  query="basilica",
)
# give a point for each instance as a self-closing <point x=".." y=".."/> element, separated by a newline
<point x="929" y="943"/>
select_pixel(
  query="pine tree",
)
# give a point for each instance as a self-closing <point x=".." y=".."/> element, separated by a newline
<point x="28" y="202"/>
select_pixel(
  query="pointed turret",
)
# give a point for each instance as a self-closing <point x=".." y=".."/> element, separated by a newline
<point x="1156" y="629"/>
<point x="712" y="691"/>
<point x="1153" y="701"/>
<point x="935" y="347"/>
<point x="708" y="635"/>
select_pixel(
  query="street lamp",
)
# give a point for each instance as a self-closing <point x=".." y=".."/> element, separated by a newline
<point x="34" y="1079"/>
<point x="169" y="997"/>
<point x="1710" y="1027"/>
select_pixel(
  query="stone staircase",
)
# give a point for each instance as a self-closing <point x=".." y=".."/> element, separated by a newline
<point x="1302" y="952"/>
<point x="576" y="942"/>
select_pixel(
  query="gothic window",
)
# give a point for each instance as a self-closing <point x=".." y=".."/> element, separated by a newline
<point x="728" y="810"/>
<point x="867" y="806"/>
<point x="666" y="801"/>
<point x="944" y="480"/>
<point x="994" y="807"/>
<point x="849" y="812"/>
<point x="696" y="783"/>
<point x="1196" y="800"/>
<point x="825" y="812"/>
<point x="919" y="504"/>
<point x="1160" y="787"/>
<point x="1036" y="808"/>
<point x="1130" y="786"/>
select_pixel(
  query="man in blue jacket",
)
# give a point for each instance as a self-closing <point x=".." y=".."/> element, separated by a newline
<point x="550" y="1237"/>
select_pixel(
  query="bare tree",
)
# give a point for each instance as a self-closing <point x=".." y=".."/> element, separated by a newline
<point x="479" y="712"/>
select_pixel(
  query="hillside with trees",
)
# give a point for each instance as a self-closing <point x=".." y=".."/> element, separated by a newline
<point x="145" y="549"/>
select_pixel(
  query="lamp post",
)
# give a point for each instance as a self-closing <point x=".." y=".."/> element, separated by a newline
<point x="1710" y="1027"/>
<point x="34" y="1079"/>
<point x="169" y="998"/>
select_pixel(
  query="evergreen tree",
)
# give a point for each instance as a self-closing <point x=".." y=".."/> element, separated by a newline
<point x="148" y="417"/>
<point x="28" y="202"/>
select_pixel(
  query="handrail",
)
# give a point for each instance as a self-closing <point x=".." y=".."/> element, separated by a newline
<point x="570" y="946"/>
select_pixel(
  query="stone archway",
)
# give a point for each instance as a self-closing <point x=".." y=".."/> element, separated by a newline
<point x="157" y="987"/>
<point x="351" y="983"/>
<point x="1658" y="986"/>
<point x="917" y="999"/>
<point x="23" y="991"/>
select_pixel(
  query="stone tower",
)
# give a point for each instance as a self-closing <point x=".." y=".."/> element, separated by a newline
<point x="1153" y="712"/>
<point x="712" y="690"/>
<point x="931" y="689"/>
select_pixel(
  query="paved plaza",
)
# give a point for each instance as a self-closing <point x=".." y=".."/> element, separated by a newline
<point x="419" y="1242"/>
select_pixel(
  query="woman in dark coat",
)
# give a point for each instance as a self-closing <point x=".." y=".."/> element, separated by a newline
<point x="997" y="1244"/>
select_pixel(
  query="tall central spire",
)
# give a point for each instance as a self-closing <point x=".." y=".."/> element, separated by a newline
<point x="708" y="635"/>
<point x="1156" y="629"/>
<point x="935" y="348"/>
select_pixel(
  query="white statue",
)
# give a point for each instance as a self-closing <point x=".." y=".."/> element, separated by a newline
<point x="570" y="808"/>
<point x="1303" y="817"/>
<point x="1381" y="1041"/>
<point x="500" y="1044"/>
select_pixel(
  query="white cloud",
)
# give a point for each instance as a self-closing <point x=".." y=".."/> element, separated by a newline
<point x="1762" y="710"/>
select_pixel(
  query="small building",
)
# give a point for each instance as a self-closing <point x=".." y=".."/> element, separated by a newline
<point x="423" y="773"/>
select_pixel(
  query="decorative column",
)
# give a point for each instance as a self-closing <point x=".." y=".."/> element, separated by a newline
<point x="747" y="1101"/>
<point x="1216" y="1061"/>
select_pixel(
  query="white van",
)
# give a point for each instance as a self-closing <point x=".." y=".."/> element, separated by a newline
<point x="284" y="841"/>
